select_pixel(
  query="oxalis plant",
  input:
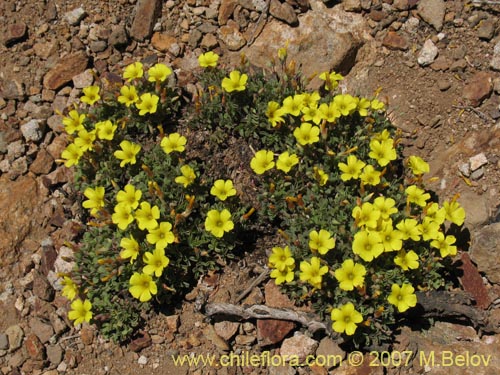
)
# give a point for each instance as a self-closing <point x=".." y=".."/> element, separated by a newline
<point x="355" y="232"/>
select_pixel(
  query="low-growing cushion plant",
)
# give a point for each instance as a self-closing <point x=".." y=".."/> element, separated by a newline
<point x="355" y="231"/>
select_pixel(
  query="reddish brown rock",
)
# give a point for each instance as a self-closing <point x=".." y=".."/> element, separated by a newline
<point x="141" y="342"/>
<point x="34" y="347"/>
<point x="146" y="13"/>
<point x="271" y="331"/>
<point x="87" y="335"/>
<point x="226" y="329"/>
<point x="42" y="163"/>
<point x="473" y="282"/>
<point x="15" y="33"/>
<point x="231" y="36"/>
<point x="283" y="12"/>
<point x="64" y="71"/>
<point x="274" y="297"/>
<point x="226" y="9"/>
<point x="377" y="15"/>
<point x="395" y="41"/>
<point x="162" y="42"/>
<point x="478" y="88"/>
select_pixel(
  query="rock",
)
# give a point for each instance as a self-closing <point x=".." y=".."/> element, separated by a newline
<point x="57" y="323"/>
<point x="299" y="346"/>
<point x="15" y="150"/>
<point x="54" y="354"/>
<point x="330" y="38"/>
<point x="351" y="5"/>
<point x="173" y="323"/>
<point x="254" y="298"/>
<point x="209" y="41"/>
<point x="146" y="13"/>
<point x="257" y="5"/>
<point x="143" y="360"/>
<point x="478" y="88"/>
<point x="118" y="37"/>
<point x="34" y="347"/>
<point x="226" y="9"/>
<point x="477" y="174"/>
<point x="11" y="89"/>
<point x="393" y="40"/>
<point x="443" y="84"/>
<point x="18" y="168"/>
<point x="441" y="63"/>
<point x="15" y="335"/>
<point x="226" y="329"/>
<point x="272" y="331"/>
<point x="377" y="15"/>
<point x="476" y="208"/>
<point x="327" y="349"/>
<point x="98" y="46"/>
<point x="274" y="297"/>
<point x="75" y="16"/>
<point x="478" y="161"/>
<point x="45" y="50"/>
<point x="44" y="331"/>
<point x="4" y="341"/>
<point x="64" y="71"/>
<point x="484" y="249"/>
<point x="194" y="38"/>
<point x="282" y="370"/>
<point x="231" y="36"/>
<point x="400" y="5"/>
<point x="428" y="53"/>
<point x="464" y="168"/>
<point x="55" y="124"/>
<point x="495" y="60"/>
<point x="162" y="42"/>
<point x="42" y="288"/>
<point x="283" y="12"/>
<point x="432" y="12"/>
<point x="15" y="33"/>
<point x="33" y="130"/>
<point x="219" y="342"/>
<point x="472" y="282"/>
<point x="84" y="79"/>
<point x="57" y="146"/>
<point x="486" y="29"/>
<point x="141" y="342"/>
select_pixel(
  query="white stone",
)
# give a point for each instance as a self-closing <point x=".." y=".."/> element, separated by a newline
<point x="33" y="130"/>
<point x="142" y="360"/>
<point x="428" y="53"/>
<point x="75" y="16"/>
<point x="477" y="161"/>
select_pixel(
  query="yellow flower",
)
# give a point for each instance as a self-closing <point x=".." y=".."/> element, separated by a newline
<point x="407" y="260"/>
<point x="262" y="161"/>
<point x="286" y="161"/>
<point x="352" y="169"/>
<point x="320" y="176"/>
<point x="95" y="199"/>
<point x="155" y="262"/>
<point x="345" y="319"/>
<point x="346" y="104"/>
<point x="147" y="216"/>
<point x="312" y="272"/>
<point x="382" y="151"/>
<point x="417" y="195"/>
<point x="161" y="236"/>
<point x="386" y="206"/>
<point x="173" y="143"/>
<point x="142" y="287"/>
<point x="159" y="73"/>
<point x="329" y="112"/>
<point x="392" y="239"/>
<point x="188" y="176"/>
<point x="74" y="122"/>
<point x="235" y="82"/>
<point x="81" y="311"/>
<point x="436" y="214"/>
<point x="128" y="152"/>
<point x="402" y="297"/>
<point x="70" y="290"/>
<point x="350" y="275"/>
<point x="223" y="189"/>
<point x="105" y="130"/>
<point x="454" y="212"/>
<point x="311" y="99"/>
<point x="321" y="241"/>
<point x="312" y="113"/>
<point x="147" y="104"/>
<point x="368" y="245"/>
<point x="133" y="71"/>
<point x="331" y="79"/>
<point x="377" y="105"/>
<point x="370" y="176"/>
<point x="218" y="222"/>
<point x="363" y="105"/>
<point x="281" y="259"/>
<point x="409" y="229"/>
<point x="129" y="196"/>
<point x="281" y="276"/>
<point x="71" y="154"/>
<point x="366" y="215"/>
<point x="91" y="95"/>
<point x="128" y="95"/>
<point x="429" y="229"/>
<point x="418" y="166"/>
<point x="274" y="113"/>
<point x="208" y="59"/>
<point x="293" y="105"/>
<point x="445" y="244"/>
<point x="85" y="139"/>
<point x="130" y="248"/>
<point x="306" y="134"/>
<point x="122" y="216"/>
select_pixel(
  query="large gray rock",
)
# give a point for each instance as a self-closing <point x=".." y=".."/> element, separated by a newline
<point x="432" y="12"/>
<point x="484" y="251"/>
<point x="327" y="39"/>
